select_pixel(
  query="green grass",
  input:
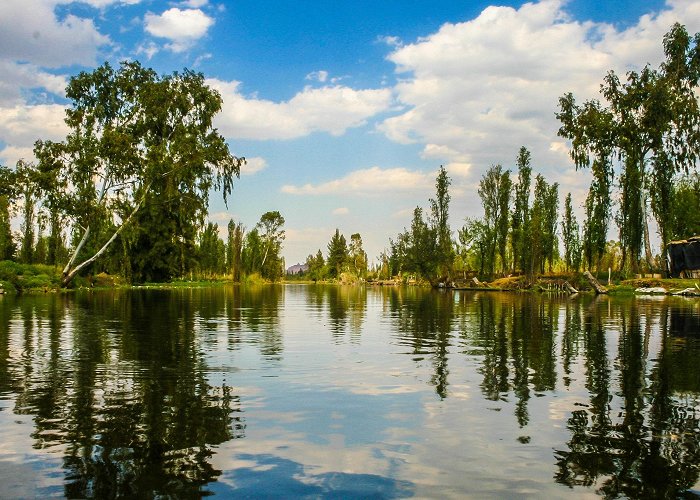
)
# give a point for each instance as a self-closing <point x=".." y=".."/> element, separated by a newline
<point x="19" y="278"/>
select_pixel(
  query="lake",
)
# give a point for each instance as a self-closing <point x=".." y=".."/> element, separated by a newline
<point x="329" y="391"/>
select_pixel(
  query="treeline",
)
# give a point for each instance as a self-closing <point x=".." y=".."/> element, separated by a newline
<point x="42" y="240"/>
<point x="345" y="261"/>
<point x="127" y="191"/>
<point x="641" y="144"/>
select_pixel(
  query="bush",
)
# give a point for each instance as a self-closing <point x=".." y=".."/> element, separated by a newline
<point x="22" y="277"/>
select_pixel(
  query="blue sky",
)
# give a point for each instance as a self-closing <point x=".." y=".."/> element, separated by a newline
<point x="345" y="110"/>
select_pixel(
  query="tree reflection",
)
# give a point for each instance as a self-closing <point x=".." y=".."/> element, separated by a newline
<point x="516" y="336"/>
<point x="253" y="316"/>
<point x="123" y="391"/>
<point x="424" y="322"/>
<point x="642" y="440"/>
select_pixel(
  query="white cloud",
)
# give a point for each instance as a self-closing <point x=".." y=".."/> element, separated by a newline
<point x="15" y="77"/>
<point x="253" y="165"/>
<point x="331" y="109"/>
<point x="341" y="211"/>
<point x="21" y="126"/>
<point x="31" y="32"/>
<point x="319" y="76"/>
<point x="391" y="41"/>
<point x="195" y="4"/>
<point x="182" y="27"/>
<point x="12" y="154"/>
<point x="101" y="4"/>
<point x="148" y="49"/>
<point x="476" y="91"/>
<point x="367" y="182"/>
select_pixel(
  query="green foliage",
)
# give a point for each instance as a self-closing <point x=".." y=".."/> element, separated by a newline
<point x="149" y="140"/>
<point x="271" y="236"/>
<point x="439" y="220"/>
<point x="521" y="211"/>
<point x="494" y="191"/>
<point x="571" y="237"/>
<point x="317" y="266"/>
<point x="685" y="219"/>
<point x="25" y="277"/>
<point x="7" y="245"/>
<point x="234" y="248"/>
<point x="357" y="257"/>
<point x="652" y="121"/>
<point x="212" y="252"/>
<point x="337" y="255"/>
<point x="475" y="240"/>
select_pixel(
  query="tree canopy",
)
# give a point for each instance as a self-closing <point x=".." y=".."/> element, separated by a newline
<point x="135" y="138"/>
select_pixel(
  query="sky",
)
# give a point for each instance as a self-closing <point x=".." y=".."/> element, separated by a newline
<point x="345" y="110"/>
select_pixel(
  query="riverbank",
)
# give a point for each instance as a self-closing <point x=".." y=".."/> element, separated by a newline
<point x="18" y="278"/>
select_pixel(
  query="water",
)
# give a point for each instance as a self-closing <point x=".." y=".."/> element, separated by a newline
<point x="313" y="391"/>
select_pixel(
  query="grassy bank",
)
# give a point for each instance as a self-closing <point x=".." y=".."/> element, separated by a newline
<point x="21" y="278"/>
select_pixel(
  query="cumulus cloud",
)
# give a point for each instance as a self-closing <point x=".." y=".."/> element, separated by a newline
<point x="19" y="76"/>
<point x="341" y="211"/>
<point x="31" y="32"/>
<point x="183" y="27"/>
<point x="331" y="109"/>
<point x="474" y="92"/>
<point x="253" y="165"/>
<point x="21" y="126"/>
<point x="367" y="182"/>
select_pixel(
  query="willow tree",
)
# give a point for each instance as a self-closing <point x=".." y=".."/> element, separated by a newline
<point x="651" y="125"/>
<point x="135" y="137"/>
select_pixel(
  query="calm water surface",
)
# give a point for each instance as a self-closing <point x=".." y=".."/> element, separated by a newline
<point x="311" y="391"/>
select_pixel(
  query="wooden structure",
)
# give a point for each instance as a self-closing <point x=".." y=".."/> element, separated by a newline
<point x="684" y="258"/>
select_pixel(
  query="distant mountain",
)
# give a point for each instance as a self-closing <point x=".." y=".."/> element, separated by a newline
<point x="298" y="268"/>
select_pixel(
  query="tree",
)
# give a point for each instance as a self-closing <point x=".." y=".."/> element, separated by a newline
<point x="653" y="120"/>
<point x="234" y="248"/>
<point x="543" y="223"/>
<point x="272" y="235"/>
<point x="494" y="191"/>
<point x="571" y="237"/>
<point x="316" y="266"/>
<point x="209" y="263"/>
<point x="422" y="253"/>
<point x="136" y="139"/>
<point x="475" y="238"/>
<point x="521" y="211"/>
<point x="357" y="255"/>
<point x="439" y="207"/>
<point x="7" y="192"/>
<point x="337" y="254"/>
<point x="251" y="254"/>
<point x="25" y="179"/>
<point x="685" y="219"/>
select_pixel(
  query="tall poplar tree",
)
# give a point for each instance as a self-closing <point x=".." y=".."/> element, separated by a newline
<point x="337" y="254"/>
<point x="521" y="211"/>
<point x="439" y="207"/>
<point x="571" y="237"/>
<point x="494" y="191"/>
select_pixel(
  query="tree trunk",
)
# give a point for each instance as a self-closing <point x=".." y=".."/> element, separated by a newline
<point x="647" y="245"/>
<point x="70" y="272"/>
